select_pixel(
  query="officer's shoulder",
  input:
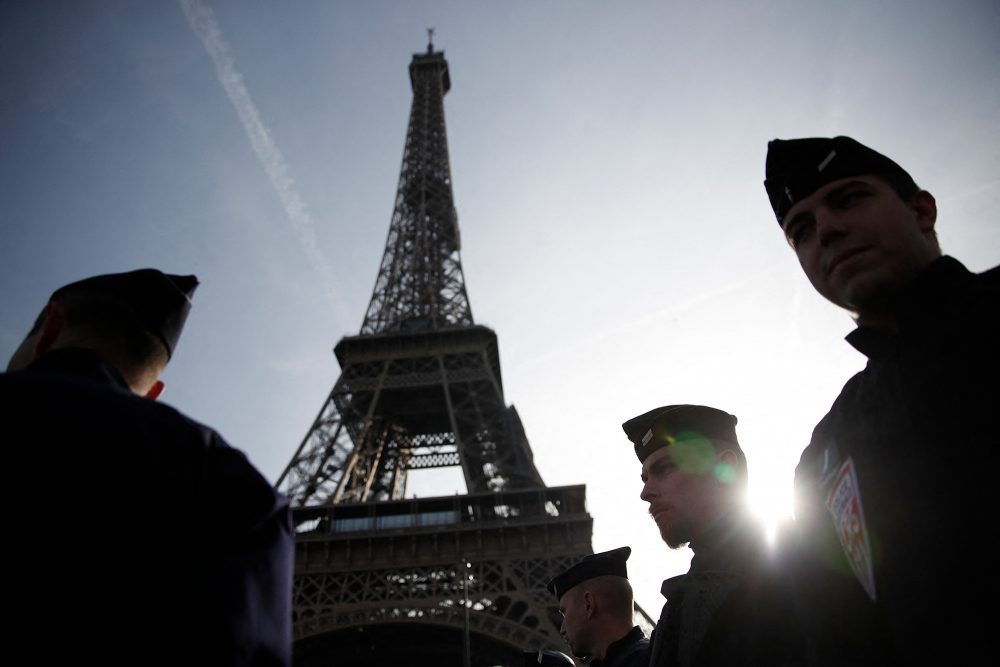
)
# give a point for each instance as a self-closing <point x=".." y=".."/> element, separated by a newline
<point x="208" y="445"/>
<point x="235" y="491"/>
<point x="979" y="301"/>
<point x="990" y="277"/>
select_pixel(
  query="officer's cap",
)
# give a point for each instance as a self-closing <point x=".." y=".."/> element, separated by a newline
<point x="595" y="565"/>
<point x="796" y="168"/>
<point x="161" y="301"/>
<point x="673" y="423"/>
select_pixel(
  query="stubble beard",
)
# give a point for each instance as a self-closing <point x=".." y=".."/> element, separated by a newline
<point x="676" y="533"/>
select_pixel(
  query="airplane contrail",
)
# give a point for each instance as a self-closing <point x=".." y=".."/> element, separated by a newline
<point x="670" y="310"/>
<point x="204" y="25"/>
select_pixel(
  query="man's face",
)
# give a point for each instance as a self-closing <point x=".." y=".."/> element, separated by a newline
<point x="574" y="621"/>
<point x="680" y="491"/>
<point x="859" y="243"/>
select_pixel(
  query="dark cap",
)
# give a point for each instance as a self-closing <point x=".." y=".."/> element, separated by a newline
<point x="161" y="301"/>
<point x="676" y="423"/>
<point x="796" y="168"/>
<point x="595" y="565"/>
<point x="547" y="657"/>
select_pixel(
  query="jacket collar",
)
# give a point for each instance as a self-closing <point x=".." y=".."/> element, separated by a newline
<point x="617" y="647"/>
<point x="918" y="303"/>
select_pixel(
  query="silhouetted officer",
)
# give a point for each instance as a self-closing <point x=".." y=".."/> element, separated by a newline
<point x="896" y="507"/>
<point x="136" y="535"/>
<point x="733" y="606"/>
<point x="595" y="600"/>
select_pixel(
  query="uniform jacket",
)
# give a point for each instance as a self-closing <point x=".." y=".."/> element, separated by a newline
<point x="733" y="607"/>
<point x="632" y="650"/>
<point x="135" y="535"/>
<point x="897" y="490"/>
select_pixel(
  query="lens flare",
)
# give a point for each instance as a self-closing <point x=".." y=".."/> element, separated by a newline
<point x="693" y="453"/>
<point x="725" y="473"/>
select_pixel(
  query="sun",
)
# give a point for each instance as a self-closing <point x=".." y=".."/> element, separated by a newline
<point x="769" y="499"/>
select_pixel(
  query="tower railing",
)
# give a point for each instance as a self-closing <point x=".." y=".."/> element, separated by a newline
<point x="557" y="503"/>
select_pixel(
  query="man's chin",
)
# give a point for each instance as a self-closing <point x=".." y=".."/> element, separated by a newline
<point x="864" y="291"/>
<point x="675" y="539"/>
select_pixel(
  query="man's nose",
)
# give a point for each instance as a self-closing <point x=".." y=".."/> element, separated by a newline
<point x="829" y="227"/>
<point x="646" y="493"/>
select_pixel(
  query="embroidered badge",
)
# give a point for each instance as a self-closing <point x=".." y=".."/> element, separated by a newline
<point x="844" y="504"/>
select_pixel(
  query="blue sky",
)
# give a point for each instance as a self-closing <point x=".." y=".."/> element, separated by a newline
<point x="607" y="162"/>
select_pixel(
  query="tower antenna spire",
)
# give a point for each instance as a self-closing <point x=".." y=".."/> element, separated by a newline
<point x="430" y="40"/>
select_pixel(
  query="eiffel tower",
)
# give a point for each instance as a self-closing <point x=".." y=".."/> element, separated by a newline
<point x="385" y="579"/>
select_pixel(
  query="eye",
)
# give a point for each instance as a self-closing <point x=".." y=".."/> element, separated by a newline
<point x="851" y="197"/>
<point x="798" y="230"/>
<point x="662" y="468"/>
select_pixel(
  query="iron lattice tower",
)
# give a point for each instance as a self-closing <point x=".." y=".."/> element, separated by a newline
<point x="382" y="578"/>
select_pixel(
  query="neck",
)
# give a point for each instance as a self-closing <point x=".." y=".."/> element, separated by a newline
<point x="716" y="530"/>
<point x="883" y="319"/>
<point x="139" y="378"/>
<point x="882" y="311"/>
<point x="613" y="634"/>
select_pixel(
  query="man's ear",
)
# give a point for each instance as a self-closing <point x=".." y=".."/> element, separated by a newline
<point x="589" y="604"/>
<point x="925" y="206"/>
<point x="50" y="330"/>
<point x="155" y="391"/>
<point x="726" y="469"/>
<point x="728" y="456"/>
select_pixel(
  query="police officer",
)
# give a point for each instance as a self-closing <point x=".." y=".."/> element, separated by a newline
<point x="896" y="508"/>
<point x="135" y="535"/>
<point x="732" y="607"/>
<point x="595" y="600"/>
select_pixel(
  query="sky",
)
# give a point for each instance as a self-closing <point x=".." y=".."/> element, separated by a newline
<point x="607" y="162"/>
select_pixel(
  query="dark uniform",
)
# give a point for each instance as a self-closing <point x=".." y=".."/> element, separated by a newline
<point x="896" y="505"/>
<point x="631" y="650"/>
<point x="135" y="536"/>
<point x="897" y="489"/>
<point x="734" y="606"/>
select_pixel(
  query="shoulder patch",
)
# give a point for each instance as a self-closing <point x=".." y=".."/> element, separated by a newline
<point x="844" y="504"/>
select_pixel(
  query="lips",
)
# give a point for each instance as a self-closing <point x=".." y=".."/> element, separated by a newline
<point x="841" y="257"/>
<point x="658" y="512"/>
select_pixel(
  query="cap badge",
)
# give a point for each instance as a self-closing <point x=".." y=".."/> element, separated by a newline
<point x="827" y="160"/>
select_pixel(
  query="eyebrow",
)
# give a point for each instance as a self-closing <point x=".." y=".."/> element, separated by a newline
<point x="798" y="217"/>
<point x="827" y="198"/>
<point x="658" y="466"/>
<point x="836" y="192"/>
